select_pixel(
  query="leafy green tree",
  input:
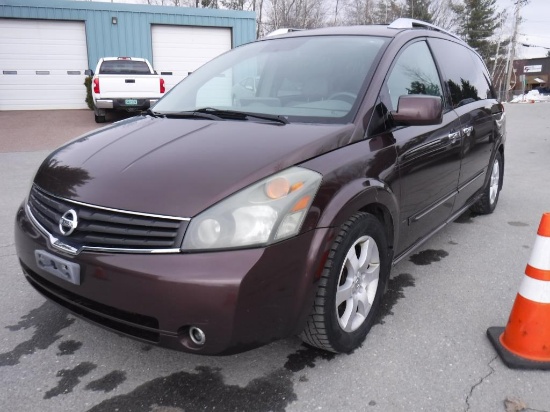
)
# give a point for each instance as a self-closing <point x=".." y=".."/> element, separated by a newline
<point x="89" y="99"/>
<point x="477" y="21"/>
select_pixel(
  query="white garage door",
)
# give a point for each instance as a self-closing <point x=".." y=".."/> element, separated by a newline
<point x="179" y="50"/>
<point x="42" y="64"/>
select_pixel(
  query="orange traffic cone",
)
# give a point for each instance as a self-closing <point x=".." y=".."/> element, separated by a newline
<point x="525" y="343"/>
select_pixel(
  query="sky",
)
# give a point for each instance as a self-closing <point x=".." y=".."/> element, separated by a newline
<point x="534" y="28"/>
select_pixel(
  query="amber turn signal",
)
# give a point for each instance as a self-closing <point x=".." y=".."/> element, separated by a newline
<point x="301" y="204"/>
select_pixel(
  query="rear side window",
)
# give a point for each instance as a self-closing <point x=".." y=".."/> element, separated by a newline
<point x="124" y="67"/>
<point x="464" y="72"/>
<point x="414" y="73"/>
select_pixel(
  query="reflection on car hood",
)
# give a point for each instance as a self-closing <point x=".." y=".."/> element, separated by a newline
<point x="179" y="167"/>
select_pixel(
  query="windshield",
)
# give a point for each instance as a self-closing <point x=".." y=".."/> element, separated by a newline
<point x="305" y="79"/>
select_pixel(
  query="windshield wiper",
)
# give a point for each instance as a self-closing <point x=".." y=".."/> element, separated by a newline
<point x="183" y="115"/>
<point x="191" y="114"/>
<point x="152" y="113"/>
<point x="218" y="114"/>
<point x="239" y="115"/>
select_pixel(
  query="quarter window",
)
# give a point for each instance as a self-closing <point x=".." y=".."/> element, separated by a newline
<point x="414" y="73"/>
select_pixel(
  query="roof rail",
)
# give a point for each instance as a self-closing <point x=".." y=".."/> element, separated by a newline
<point x="404" y="23"/>
<point x="282" y="31"/>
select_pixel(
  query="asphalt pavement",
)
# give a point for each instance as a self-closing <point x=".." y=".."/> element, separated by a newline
<point x="428" y="352"/>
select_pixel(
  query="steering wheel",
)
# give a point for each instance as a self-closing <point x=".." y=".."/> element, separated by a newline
<point x="344" y="96"/>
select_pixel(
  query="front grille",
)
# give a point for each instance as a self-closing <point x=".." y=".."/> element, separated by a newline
<point x="101" y="228"/>
<point x="133" y="324"/>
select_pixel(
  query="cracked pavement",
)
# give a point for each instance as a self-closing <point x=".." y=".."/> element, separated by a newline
<point x="479" y="383"/>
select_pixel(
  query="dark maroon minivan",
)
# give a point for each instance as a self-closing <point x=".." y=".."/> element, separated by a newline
<point x="270" y="192"/>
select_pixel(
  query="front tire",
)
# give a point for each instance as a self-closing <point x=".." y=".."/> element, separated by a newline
<point x="99" y="119"/>
<point x="351" y="287"/>
<point x="488" y="201"/>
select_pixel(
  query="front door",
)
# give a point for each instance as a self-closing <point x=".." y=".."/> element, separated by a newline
<point x="428" y="156"/>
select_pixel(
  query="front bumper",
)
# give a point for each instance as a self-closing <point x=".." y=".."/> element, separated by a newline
<point x="241" y="299"/>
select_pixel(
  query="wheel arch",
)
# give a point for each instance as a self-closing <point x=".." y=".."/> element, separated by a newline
<point x="373" y="197"/>
<point x="382" y="213"/>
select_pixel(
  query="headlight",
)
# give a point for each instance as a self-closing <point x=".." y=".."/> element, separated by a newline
<point x="265" y="212"/>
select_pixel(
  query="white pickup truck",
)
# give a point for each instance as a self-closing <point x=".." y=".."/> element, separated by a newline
<point x="124" y="83"/>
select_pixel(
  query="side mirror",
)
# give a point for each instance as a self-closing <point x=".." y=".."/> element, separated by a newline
<point x="418" y="110"/>
<point x="88" y="72"/>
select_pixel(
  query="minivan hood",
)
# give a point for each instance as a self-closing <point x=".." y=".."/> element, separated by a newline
<point x="179" y="167"/>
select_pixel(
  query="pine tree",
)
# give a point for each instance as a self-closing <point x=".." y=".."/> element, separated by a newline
<point x="418" y="10"/>
<point x="477" y="20"/>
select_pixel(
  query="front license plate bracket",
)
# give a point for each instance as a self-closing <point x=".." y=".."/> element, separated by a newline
<point x="56" y="266"/>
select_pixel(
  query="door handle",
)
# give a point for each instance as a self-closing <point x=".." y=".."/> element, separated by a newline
<point x="453" y="136"/>
<point x="468" y="130"/>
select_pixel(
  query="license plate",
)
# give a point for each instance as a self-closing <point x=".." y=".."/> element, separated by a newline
<point x="130" y="102"/>
<point x="56" y="266"/>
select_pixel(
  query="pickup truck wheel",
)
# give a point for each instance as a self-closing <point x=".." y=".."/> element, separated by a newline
<point x="99" y="119"/>
<point x="488" y="201"/>
<point x="351" y="287"/>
